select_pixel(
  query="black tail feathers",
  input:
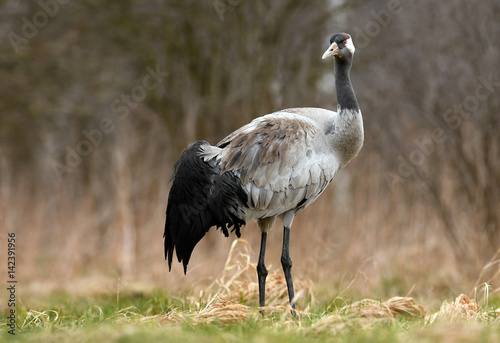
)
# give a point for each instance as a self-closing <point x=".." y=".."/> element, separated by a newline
<point x="200" y="197"/>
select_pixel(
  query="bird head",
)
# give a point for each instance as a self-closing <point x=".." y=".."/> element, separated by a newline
<point x="341" y="47"/>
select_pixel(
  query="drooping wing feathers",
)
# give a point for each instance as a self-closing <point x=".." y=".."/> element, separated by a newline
<point x="200" y="197"/>
<point x="283" y="161"/>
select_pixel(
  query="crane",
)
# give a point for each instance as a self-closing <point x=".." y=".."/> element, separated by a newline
<point x="273" y="167"/>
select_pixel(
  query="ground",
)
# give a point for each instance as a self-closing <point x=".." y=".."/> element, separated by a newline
<point x="156" y="316"/>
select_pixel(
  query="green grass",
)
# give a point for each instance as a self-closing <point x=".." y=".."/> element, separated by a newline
<point x="142" y="317"/>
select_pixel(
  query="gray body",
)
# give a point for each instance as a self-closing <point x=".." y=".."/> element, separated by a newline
<point x="286" y="159"/>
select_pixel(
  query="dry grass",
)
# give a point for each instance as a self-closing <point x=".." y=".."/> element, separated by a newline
<point x="391" y="308"/>
<point x="227" y="299"/>
<point x="489" y="274"/>
<point x="238" y="280"/>
<point x="461" y="309"/>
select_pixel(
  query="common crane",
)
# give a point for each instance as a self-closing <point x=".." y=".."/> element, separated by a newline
<point x="273" y="167"/>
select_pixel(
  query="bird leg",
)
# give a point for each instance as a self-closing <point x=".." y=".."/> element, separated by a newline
<point x="286" y="263"/>
<point x="262" y="271"/>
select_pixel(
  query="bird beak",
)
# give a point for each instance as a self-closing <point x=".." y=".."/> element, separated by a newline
<point x="331" y="51"/>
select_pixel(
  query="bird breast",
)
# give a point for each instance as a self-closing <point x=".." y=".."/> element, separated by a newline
<point x="345" y="135"/>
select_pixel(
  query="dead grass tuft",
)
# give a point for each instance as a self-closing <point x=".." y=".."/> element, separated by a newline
<point x="368" y="312"/>
<point x="461" y="309"/>
<point x="223" y="310"/>
<point x="40" y="319"/>
<point x="391" y="308"/>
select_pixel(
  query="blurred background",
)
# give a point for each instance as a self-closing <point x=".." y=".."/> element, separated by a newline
<point x="98" y="99"/>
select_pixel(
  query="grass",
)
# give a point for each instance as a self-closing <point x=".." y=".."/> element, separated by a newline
<point x="226" y="312"/>
<point x="156" y="316"/>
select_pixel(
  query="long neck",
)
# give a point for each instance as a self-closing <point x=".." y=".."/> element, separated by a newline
<point x="346" y="98"/>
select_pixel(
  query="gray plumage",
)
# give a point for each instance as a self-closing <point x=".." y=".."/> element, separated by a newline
<point x="273" y="167"/>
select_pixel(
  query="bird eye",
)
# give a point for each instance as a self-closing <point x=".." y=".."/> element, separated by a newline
<point x="344" y="42"/>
